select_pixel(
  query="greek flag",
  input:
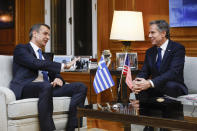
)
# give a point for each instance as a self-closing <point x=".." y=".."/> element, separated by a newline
<point x="103" y="79"/>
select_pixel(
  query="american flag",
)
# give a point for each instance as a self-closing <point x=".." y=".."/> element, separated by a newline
<point x="127" y="71"/>
<point x="103" y="79"/>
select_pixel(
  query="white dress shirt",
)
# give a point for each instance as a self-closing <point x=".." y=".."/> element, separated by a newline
<point x="40" y="75"/>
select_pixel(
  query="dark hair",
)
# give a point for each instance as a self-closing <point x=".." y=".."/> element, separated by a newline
<point x="36" y="28"/>
<point x="162" y="26"/>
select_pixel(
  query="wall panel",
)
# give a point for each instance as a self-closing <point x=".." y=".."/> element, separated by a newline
<point x="27" y="13"/>
<point x="103" y="30"/>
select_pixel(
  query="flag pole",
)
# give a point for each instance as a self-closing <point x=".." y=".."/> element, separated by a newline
<point x="112" y="93"/>
<point x="120" y="83"/>
<point x="121" y="74"/>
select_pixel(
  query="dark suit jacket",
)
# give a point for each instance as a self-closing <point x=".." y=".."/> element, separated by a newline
<point x="171" y="68"/>
<point x="26" y="67"/>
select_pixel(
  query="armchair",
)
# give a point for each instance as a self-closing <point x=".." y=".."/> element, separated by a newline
<point x="22" y="115"/>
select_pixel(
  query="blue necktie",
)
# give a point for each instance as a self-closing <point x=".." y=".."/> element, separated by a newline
<point x="45" y="74"/>
<point x="159" y="58"/>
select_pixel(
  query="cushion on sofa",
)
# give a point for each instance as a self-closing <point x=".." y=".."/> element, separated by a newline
<point x="27" y="108"/>
<point x="6" y="70"/>
<point x="190" y="72"/>
<point x="31" y="124"/>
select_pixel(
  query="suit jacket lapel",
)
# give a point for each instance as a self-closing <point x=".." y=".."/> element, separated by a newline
<point x="31" y="49"/>
<point x="46" y="56"/>
<point x="153" y="56"/>
<point x="166" y="54"/>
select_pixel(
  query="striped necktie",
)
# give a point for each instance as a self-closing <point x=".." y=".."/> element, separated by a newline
<point x="45" y="74"/>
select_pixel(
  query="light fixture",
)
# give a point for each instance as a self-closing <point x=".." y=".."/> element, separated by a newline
<point x="127" y="26"/>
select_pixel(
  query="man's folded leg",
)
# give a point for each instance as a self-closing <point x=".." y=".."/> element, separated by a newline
<point x="77" y="91"/>
<point x="43" y="91"/>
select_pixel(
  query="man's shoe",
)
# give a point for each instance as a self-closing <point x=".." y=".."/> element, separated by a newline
<point x="148" y="128"/>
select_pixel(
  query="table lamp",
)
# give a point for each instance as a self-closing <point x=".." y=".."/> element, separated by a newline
<point x="127" y="26"/>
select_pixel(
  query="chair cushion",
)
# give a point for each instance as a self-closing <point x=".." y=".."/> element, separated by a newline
<point x="190" y="73"/>
<point x="6" y="70"/>
<point x="32" y="124"/>
<point x="27" y="108"/>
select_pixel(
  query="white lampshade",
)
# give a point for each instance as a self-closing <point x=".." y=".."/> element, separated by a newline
<point x="127" y="26"/>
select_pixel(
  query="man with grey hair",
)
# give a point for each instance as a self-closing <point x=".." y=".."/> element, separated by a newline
<point x="36" y="76"/>
<point x="162" y="72"/>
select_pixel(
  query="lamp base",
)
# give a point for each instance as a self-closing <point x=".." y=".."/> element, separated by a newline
<point x="127" y="45"/>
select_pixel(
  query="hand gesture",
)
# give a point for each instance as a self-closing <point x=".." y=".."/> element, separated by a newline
<point x="68" y="65"/>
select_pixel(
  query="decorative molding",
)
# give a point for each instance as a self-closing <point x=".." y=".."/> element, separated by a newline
<point x="133" y="5"/>
<point x="114" y="4"/>
<point x="185" y="38"/>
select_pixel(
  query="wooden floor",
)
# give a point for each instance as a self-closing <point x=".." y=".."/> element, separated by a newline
<point x="104" y="125"/>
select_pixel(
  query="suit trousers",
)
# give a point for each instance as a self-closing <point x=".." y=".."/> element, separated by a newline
<point x="45" y="92"/>
<point x="167" y="109"/>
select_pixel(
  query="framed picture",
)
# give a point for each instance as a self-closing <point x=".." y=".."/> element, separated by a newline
<point x="64" y="59"/>
<point x="120" y="59"/>
<point x="7" y="8"/>
<point x="83" y="63"/>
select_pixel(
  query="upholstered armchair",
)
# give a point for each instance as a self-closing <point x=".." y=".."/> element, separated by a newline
<point x="22" y="115"/>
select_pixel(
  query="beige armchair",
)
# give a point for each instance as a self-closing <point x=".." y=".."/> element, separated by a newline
<point x="22" y="115"/>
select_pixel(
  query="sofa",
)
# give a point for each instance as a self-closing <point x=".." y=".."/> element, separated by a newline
<point x="190" y="73"/>
<point x="22" y="115"/>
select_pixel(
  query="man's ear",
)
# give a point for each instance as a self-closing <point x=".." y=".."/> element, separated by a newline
<point x="34" y="33"/>
<point x="163" y="33"/>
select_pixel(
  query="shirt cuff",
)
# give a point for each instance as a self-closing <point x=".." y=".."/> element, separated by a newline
<point x="62" y="68"/>
<point x="152" y="85"/>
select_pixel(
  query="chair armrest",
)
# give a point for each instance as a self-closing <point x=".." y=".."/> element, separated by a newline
<point x="9" y="94"/>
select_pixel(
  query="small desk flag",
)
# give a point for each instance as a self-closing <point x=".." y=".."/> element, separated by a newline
<point x="103" y="79"/>
<point x="127" y="71"/>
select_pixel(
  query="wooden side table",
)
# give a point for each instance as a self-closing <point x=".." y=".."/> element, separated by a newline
<point x="106" y="96"/>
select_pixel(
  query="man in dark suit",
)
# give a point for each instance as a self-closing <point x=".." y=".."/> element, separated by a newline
<point x="162" y="72"/>
<point x="36" y="76"/>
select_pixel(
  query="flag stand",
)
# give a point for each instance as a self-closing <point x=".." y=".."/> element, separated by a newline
<point x="119" y="90"/>
<point x="120" y="93"/>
